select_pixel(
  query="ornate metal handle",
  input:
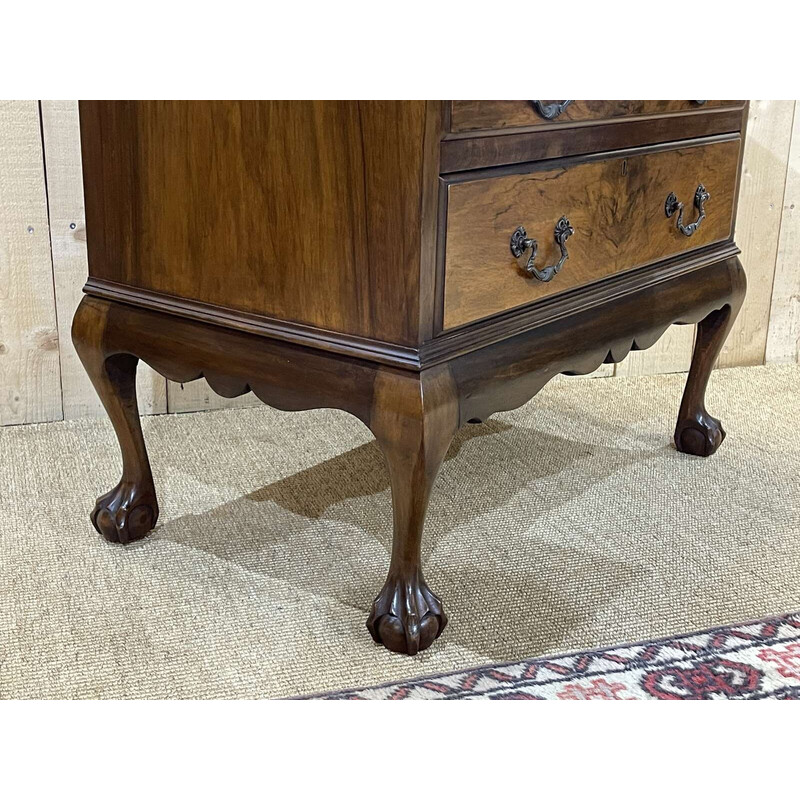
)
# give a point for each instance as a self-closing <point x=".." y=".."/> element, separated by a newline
<point x="520" y="243"/>
<point x="551" y="110"/>
<point x="672" y="205"/>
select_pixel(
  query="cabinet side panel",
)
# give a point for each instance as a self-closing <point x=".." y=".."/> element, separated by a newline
<point x="271" y="208"/>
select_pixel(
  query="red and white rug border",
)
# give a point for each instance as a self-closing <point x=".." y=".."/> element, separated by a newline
<point x="758" y="659"/>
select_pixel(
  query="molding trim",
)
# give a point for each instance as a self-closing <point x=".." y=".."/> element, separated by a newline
<point x="294" y="332"/>
<point x="445" y="347"/>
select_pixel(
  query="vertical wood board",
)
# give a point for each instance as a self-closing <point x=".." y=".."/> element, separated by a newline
<point x="769" y="131"/>
<point x="30" y="382"/>
<point x="671" y="353"/>
<point x="783" y="340"/>
<point x="198" y="396"/>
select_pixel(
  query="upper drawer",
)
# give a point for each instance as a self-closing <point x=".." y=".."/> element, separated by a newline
<point x="482" y="115"/>
<point x="616" y="206"/>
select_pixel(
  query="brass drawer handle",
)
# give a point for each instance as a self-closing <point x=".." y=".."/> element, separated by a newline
<point x="551" y="110"/>
<point x="520" y="243"/>
<point x="672" y="205"/>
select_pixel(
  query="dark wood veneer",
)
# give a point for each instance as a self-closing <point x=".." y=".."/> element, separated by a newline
<point x="490" y="115"/>
<point x="298" y="250"/>
<point x="615" y="205"/>
<point x="479" y="150"/>
<point x="303" y="211"/>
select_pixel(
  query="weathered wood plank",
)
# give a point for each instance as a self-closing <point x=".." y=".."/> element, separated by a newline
<point x="783" y="340"/>
<point x="30" y="384"/>
<point x="198" y="396"/>
<point x="671" y="353"/>
<point x="62" y="153"/>
<point x="769" y="132"/>
<point x="603" y="371"/>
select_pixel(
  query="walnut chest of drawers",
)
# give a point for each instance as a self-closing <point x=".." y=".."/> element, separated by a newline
<point x="420" y="265"/>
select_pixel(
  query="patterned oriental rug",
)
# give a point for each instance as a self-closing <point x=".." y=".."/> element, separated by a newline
<point x="750" y="661"/>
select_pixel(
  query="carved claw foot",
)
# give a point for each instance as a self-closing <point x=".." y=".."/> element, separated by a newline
<point x="127" y="513"/>
<point x="406" y="616"/>
<point x="700" y="435"/>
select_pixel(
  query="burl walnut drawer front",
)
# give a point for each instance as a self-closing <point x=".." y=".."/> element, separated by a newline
<point x="516" y="238"/>
<point x="477" y="115"/>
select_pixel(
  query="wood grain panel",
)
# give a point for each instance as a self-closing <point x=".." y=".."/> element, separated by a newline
<point x="783" y="339"/>
<point x="616" y="207"/>
<point x="30" y="385"/>
<point x="62" y="155"/>
<point x="758" y="221"/>
<point x="472" y="115"/>
<point x="303" y="211"/>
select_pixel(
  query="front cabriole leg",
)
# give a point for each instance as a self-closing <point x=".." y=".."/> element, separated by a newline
<point x="130" y="510"/>
<point x="697" y="432"/>
<point x="414" y="418"/>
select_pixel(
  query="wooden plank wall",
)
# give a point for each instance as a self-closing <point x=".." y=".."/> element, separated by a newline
<point x="43" y="267"/>
<point x="30" y="379"/>
<point x="758" y="225"/>
<point x="783" y="339"/>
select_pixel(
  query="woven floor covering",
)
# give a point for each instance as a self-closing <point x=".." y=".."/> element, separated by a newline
<point x="569" y="524"/>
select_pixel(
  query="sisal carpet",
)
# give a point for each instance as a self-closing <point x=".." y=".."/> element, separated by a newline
<point x="569" y="524"/>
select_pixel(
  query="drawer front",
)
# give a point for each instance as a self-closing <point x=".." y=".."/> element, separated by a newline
<point x="477" y="115"/>
<point x="616" y="207"/>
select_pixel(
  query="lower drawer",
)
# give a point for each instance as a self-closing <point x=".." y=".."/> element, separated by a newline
<point x="594" y="218"/>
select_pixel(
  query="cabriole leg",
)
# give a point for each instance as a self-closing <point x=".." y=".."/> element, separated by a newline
<point x="697" y="432"/>
<point x="130" y="510"/>
<point x="414" y="418"/>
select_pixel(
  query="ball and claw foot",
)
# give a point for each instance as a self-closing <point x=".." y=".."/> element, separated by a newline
<point x="127" y="513"/>
<point x="406" y="616"/>
<point x="700" y="435"/>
